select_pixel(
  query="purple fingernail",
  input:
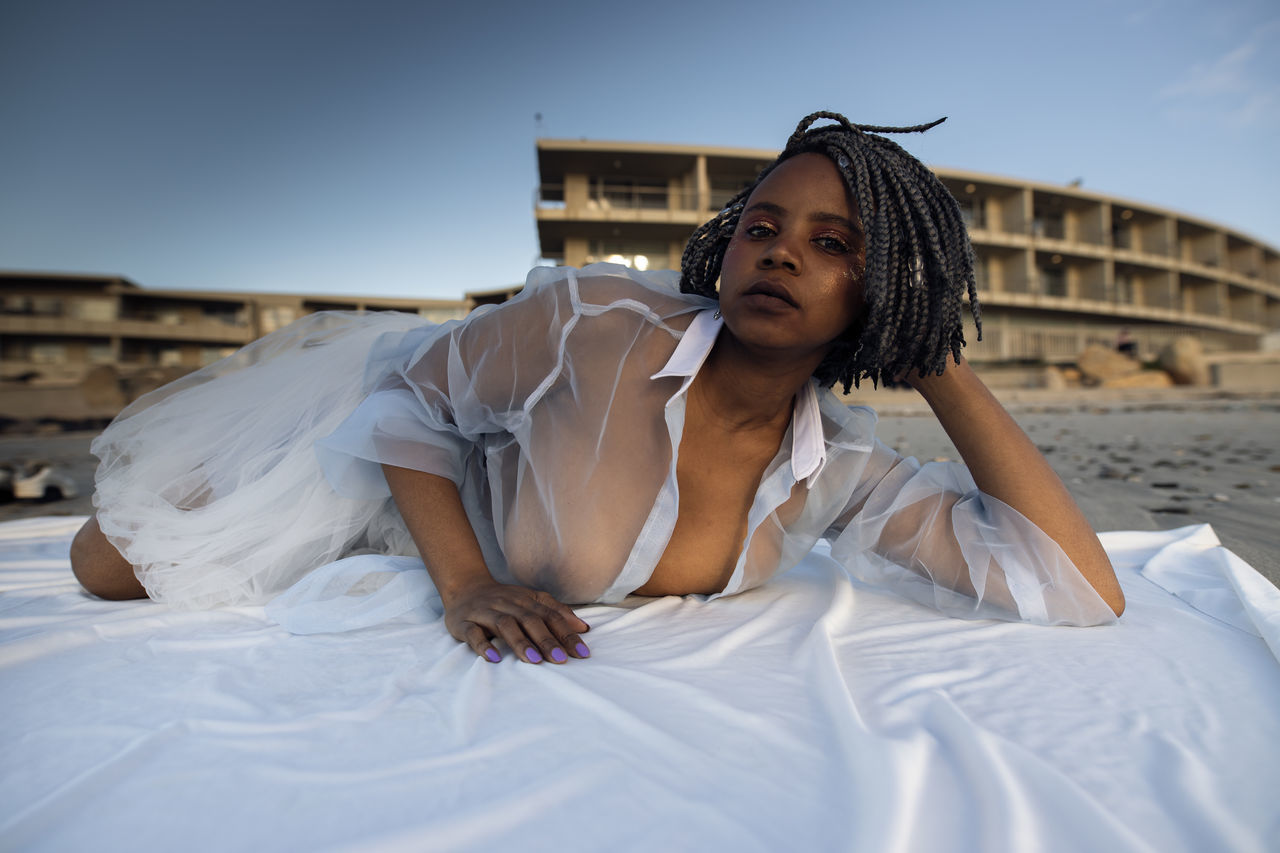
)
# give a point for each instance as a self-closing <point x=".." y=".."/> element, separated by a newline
<point x="492" y="655"/>
<point x="558" y="655"/>
<point x="582" y="650"/>
<point x="532" y="656"/>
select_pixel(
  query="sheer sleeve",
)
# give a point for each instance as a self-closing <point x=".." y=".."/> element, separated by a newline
<point x="436" y="394"/>
<point x="928" y="533"/>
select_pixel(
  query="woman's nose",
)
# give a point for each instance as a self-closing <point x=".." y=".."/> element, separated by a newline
<point x="780" y="253"/>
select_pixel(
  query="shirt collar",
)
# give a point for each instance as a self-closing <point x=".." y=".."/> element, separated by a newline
<point x="808" y="443"/>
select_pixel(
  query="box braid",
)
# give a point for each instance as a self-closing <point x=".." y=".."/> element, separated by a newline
<point x="919" y="262"/>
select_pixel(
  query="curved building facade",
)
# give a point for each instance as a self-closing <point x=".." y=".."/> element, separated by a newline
<point x="1058" y="267"/>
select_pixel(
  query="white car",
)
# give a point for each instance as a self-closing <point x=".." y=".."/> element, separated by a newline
<point x="38" y="481"/>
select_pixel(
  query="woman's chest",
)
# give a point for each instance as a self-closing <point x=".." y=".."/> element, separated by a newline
<point x="718" y="482"/>
<point x="574" y="493"/>
<point x="637" y="495"/>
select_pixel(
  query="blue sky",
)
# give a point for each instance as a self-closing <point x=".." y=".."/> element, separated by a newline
<point x="387" y="148"/>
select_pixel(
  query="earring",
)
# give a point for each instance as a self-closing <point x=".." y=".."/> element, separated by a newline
<point x="717" y="315"/>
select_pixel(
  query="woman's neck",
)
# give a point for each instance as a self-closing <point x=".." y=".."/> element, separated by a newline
<point x="744" y="392"/>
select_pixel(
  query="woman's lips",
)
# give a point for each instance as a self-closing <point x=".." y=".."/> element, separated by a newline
<point x="767" y="292"/>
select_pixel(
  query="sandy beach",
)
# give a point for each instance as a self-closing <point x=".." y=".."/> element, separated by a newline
<point x="1134" y="461"/>
<point x="1138" y="462"/>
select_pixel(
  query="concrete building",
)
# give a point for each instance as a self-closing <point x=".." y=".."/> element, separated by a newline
<point x="1058" y="267"/>
<point x="56" y="327"/>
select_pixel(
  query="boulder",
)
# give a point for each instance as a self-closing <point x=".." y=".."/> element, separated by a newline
<point x="1184" y="361"/>
<point x="149" y="379"/>
<point x="101" y="389"/>
<point x="1141" y="379"/>
<point x="1051" y="379"/>
<point x="1097" y="364"/>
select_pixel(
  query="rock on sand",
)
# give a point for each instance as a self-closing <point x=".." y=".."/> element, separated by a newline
<point x="1098" y="364"/>
<point x="1184" y="361"/>
<point x="1141" y="379"/>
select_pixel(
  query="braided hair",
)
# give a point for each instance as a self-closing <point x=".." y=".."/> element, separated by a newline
<point x="919" y="262"/>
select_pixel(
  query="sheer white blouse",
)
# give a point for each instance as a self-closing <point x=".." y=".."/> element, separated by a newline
<point x="559" y="415"/>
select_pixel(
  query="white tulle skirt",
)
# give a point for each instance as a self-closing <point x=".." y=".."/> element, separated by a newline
<point x="210" y="486"/>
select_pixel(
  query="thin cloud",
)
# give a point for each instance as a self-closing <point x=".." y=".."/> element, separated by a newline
<point x="1226" y="75"/>
<point x="1256" y="109"/>
<point x="1143" y="13"/>
<point x="1235" y="88"/>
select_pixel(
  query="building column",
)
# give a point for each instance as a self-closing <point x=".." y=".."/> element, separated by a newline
<point x="702" y="183"/>
<point x="575" y="193"/>
<point x="575" y="252"/>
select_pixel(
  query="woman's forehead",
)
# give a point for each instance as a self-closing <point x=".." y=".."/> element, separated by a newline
<point x="811" y="178"/>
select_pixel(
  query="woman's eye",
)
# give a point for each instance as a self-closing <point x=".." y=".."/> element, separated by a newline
<point x="833" y="244"/>
<point x="758" y="229"/>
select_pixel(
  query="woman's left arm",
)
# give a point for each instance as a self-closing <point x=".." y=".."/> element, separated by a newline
<point x="1006" y="465"/>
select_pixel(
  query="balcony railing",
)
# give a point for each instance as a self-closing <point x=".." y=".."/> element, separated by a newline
<point x="605" y="197"/>
<point x="646" y="261"/>
<point x="201" y="330"/>
<point x="1062" y="345"/>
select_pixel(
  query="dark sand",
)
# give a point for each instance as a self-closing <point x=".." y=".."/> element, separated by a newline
<point x="1133" y="462"/>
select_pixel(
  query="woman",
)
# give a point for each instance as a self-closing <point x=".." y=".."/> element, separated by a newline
<point x="604" y="435"/>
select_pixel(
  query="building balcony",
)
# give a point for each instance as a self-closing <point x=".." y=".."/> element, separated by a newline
<point x="205" y="331"/>
<point x="1125" y="311"/>
<point x="636" y="260"/>
<point x="619" y="203"/>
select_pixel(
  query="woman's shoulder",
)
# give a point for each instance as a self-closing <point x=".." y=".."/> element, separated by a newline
<point x="600" y="287"/>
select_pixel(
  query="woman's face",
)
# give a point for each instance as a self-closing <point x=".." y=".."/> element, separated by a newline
<point x="791" y="280"/>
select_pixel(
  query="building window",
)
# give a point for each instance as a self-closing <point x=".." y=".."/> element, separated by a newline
<point x="551" y="196"/>
<point x="226" y="314"/>
<point x="638" y="255"/>
<point x="48" y="306"/>
<point x="980" y="274"/>
<point x="100" y="352"/>
<point x="630" y="193"/>
<point x="97" y="310"/>
<point x="277" y="317"/>
<point x="1049" y="223"/>
<point x="1124" y="287"/>
<point x="974" y="212"/>
<point x="48" y="353"/>
<point x="1053" y="281"/>
<point x="208" y="355"/>
<point x="722" y="192"/>
<point x="1122" y="235"/>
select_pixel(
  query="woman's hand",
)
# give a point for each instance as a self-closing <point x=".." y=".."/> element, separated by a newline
<point x="532" y="623"/>
<point x="478" y="609"/>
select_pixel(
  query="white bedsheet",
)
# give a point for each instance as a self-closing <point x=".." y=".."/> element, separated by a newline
<point x="807" y="714"/>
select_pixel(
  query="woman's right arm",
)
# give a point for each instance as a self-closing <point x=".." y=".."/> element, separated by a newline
<point x="477" y="608"/>
<point x="929" y="533"/>
<point x="433" y="398"/>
